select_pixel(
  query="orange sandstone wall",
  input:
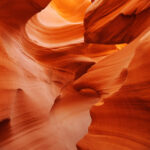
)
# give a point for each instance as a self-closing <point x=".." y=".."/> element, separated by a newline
<point x="74" y="75"/>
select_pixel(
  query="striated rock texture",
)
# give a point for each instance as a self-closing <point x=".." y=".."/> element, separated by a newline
<point x="74" y="74"/>
<point x="115" y="21"/>
<point x="123" y="121"/>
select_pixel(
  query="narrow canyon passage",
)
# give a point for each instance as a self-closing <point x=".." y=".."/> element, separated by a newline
<point x="74" y="74"/>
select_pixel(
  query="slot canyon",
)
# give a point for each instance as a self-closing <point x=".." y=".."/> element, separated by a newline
<point x="74" y="75"/>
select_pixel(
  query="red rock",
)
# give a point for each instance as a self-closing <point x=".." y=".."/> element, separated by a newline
<point x="112" y="21"/>
<point x="122" y="122"/>
<point x="54" y="66"/>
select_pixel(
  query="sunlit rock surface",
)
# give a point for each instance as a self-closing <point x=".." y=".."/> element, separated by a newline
<point x="123" y="121"/>
<point x="74" y="75"/>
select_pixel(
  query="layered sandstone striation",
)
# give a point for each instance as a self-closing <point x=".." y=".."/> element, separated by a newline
<point x="74" y="74"/>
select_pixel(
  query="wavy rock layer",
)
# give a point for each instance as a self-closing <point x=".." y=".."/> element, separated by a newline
<point x="59" y="61"/>
<point x="123" y="121"/>
<point x="116" y="22"/>
<point x="36" y="80"/>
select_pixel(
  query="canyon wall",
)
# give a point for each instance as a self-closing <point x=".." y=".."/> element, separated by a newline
<point x="74" y="74"/>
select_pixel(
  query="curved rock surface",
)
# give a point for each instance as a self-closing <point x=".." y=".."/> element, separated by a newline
<point x="123" y="121"/>
<point x="116" y="22"/>
<point x="67" y="65"/>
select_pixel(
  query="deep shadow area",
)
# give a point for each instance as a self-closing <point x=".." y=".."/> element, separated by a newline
<point x="5" y="130"/>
